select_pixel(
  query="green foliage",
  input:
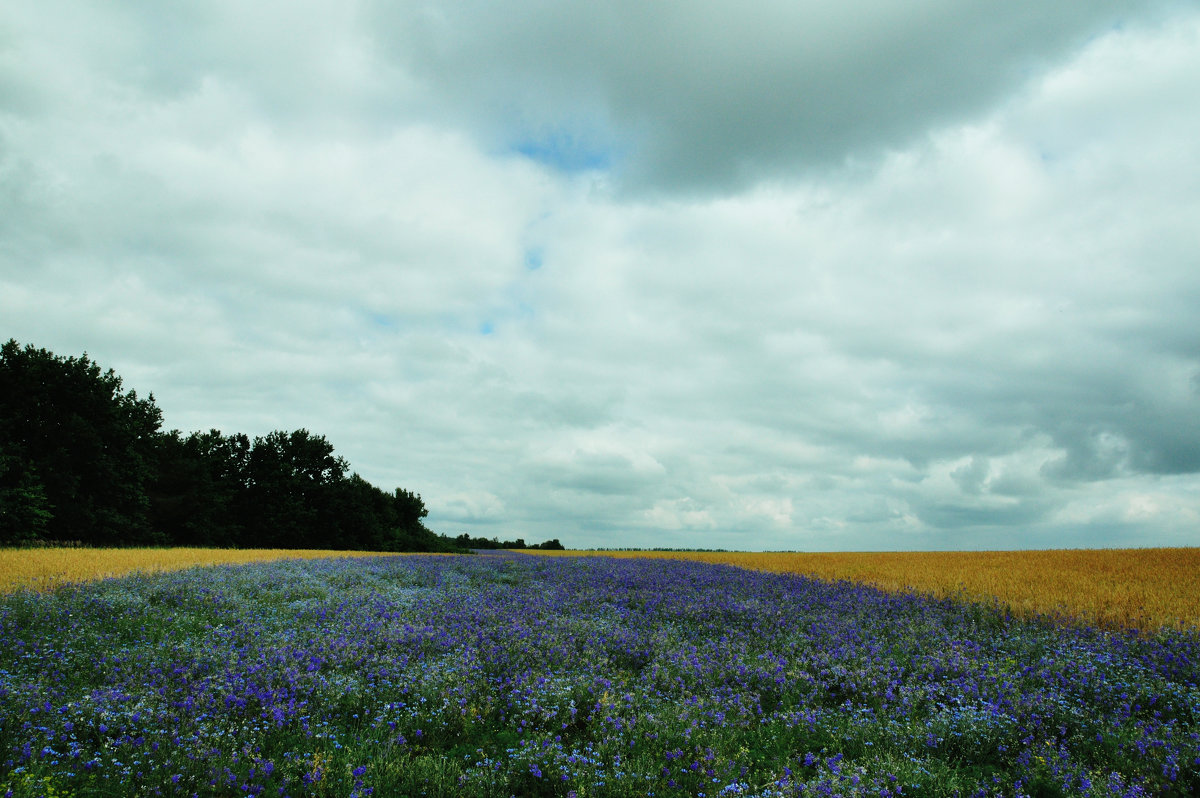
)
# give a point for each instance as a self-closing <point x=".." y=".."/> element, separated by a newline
<point x="287" y="481"/>
<point x="465" y="541"/>
<point x="195" y="496"/>
<point x="81" y="460"/>
<point x="77" y="450"/>
<point x="283" y="490"/>
<point x="24" y="509"/>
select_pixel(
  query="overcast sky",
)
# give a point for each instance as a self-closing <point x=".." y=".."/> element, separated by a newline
<point x="756" y="275"/>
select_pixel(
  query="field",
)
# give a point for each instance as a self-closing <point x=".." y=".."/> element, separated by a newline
<point x="41" y="569"/>
<point x="1143" y="588"/>
<point x="508" y="674"/>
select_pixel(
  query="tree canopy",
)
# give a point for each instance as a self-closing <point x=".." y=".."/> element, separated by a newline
<point x="76" y="451"/>
<point x="282" y="490"/>
<point x="82" y="460"/>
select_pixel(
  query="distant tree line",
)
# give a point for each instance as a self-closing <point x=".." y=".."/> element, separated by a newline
<point x="467" y="542"/>
<point x="285" y="490"/>
<point x="663" y="548"/>
<point x="83" y="461"/>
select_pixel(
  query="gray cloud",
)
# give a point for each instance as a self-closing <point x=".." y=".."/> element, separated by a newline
<point x="607" y="273"/>
<point x="716" y="96"/>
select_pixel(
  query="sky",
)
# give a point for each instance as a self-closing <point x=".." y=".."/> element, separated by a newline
<point x="763" y="275"/>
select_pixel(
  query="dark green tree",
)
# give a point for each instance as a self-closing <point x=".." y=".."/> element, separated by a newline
<point x="465" y="541"/>
<point x="288" y="481"/>
<point x="355" y="515"/>
<point x="409" y="533"/>
<point x="82" y="460"/>
<point x="25" y="511"/>
<point x="77" y="450"/>
<point x="198" y="483"/>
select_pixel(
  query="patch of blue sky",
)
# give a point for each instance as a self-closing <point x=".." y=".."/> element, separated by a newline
<point x="381" y="321"/>
<point x="567" y="151"/>
<point x="515" y="312"/>
<point x="534" y="259"/>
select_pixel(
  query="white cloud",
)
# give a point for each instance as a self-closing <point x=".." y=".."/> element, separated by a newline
<point x="676" y="514"/>
<point x="964" y="319"/>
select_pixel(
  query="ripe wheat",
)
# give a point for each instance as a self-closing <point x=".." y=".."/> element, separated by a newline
<point x="41" y="569"/>
<point x="1141" y="588"/>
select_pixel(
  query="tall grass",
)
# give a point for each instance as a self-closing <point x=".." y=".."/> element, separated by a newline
<point x="1140" y="588"/>
<point x="42" y="569"/>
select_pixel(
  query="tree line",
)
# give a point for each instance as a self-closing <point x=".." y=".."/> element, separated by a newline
<point x="82" y="460"/>
<point x="465" y="541"/>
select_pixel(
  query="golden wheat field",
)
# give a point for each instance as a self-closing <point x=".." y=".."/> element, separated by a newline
<point x="1143" y="588"/>
<point x="43" y="568"/>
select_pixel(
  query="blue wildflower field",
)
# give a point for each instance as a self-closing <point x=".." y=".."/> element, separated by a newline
<point x="509" y="675"/>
